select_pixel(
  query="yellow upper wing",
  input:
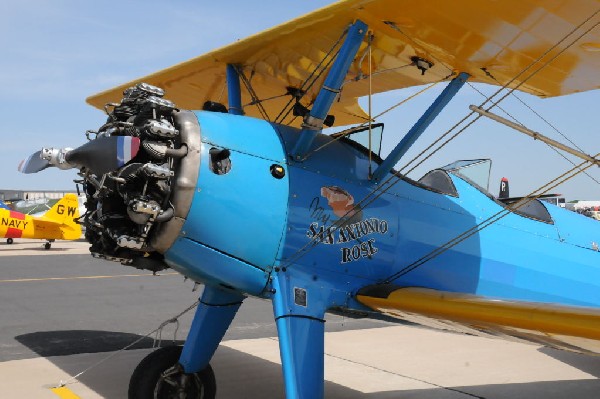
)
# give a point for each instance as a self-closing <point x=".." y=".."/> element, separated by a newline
<point x="492" y="40"/>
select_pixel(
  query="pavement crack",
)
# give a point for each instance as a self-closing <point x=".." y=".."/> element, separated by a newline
<point x="406" y="376"/>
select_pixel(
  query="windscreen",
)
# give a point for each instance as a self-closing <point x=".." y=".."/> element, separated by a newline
<point x="475" y="170"/>
<point x="361" y="136"/>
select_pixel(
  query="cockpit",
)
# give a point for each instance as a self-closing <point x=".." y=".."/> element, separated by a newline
<point x="475" y="172"/>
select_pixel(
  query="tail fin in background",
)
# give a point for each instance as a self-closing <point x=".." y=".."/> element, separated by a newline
<point x="66" y="213"/>
<point x="504" y="193"/>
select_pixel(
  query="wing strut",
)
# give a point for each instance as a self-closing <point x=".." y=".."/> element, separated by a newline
<point x="313" y="122"/>
<point x="536" y="135"/>
<point x="234" y="93"/>
<point x="413" y="134"/>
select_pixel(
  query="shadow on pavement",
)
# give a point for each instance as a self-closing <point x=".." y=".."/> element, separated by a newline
<point x="587" y="364"/>
<point x="64" y="343"/>
<point x="240" y="375"/>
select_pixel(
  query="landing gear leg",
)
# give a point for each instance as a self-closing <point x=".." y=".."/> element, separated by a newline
<point x="301" y="342"/>
<point x="185" y="373"/>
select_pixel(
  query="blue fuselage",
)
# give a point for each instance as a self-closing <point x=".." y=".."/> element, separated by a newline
<point x="248" y="221"/>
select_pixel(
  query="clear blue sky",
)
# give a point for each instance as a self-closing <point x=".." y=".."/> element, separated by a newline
<point x="56" y="53"/>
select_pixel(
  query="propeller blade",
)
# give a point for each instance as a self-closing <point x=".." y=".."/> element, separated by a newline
<point x="104" y="154"/>
<point x="33" y="163"/>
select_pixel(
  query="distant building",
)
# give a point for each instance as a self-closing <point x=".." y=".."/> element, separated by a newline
<point x="32" y="194"/>
<point x="581" y="205"/>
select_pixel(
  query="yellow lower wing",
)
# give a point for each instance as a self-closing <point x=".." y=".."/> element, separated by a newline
<point x="563" y="327"/>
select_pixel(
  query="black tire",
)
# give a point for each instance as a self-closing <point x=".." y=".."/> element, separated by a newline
<point x="9" y="241"/>
<point x="149" y="382"/>
<point x="47" y="245"/>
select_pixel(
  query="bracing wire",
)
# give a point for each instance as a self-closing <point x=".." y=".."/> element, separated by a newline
<point x="347" y="132"/>
<point x="503" y="87"/>
<point x="318" y="71"/>
<point x="491" y="220"/>
<point x="370" y="105"/>
<point x="541" y="57"/>
<point x="285" y="112"/>
<point x="546" y="122"/>
<point x="528" y="198"/>
<point x="388" y="183"/>
<point x="253" y="94"/>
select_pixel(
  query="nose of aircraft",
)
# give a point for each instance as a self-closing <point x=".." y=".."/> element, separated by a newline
<point x="238" y="216"/>
<point x="139" y="175"/>
<point x="205" y="192"/>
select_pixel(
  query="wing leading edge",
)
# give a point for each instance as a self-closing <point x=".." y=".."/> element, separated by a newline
<point x="492" y="41"/>
<point x="563" y="327"/>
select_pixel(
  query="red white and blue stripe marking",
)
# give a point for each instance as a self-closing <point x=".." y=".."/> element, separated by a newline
<point x="127" y="148"/>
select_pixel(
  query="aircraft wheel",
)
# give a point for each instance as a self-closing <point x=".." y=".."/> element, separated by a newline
<point x="160" y="376"/>
<point x="9" y="241"/>
<point x="47" y="245"/>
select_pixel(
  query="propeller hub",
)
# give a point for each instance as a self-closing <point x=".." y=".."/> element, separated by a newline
<point x="57" y="157"/>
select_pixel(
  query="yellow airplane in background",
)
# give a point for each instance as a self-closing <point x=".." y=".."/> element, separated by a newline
<point x="59" y="223"/>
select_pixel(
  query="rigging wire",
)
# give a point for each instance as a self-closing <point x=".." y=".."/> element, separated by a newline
<point x="388" y="181"/>
<point x="551" y="126"/>
<point x="546" y="63"/>
<point x="320" y="68"/>
<point x="360" y="76"/>
<point x="510" y="91"/>
<point x="285" y="113"/>
<point x="351" y="130"/>
<point x="505" y="86"/>
<point x="370" y="105"/>
<point x="392" y="180"/>
<point x="491" y="220"/>
<point x="437" y="253"/>
<point x="223" y="87"/>
<point x="250" y="89"/>
<point x="262" y="100"/>
<point x="393" y="107"/>
<point x="545" y="121"/>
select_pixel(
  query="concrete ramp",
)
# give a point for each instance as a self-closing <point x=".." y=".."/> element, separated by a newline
<point x="381" y="363"/>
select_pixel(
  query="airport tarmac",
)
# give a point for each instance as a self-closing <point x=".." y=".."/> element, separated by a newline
<point x="65" y="313"/>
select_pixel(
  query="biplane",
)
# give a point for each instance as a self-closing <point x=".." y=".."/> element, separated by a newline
<point x="59" y="223"/>
<point x="248" y="196"/>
